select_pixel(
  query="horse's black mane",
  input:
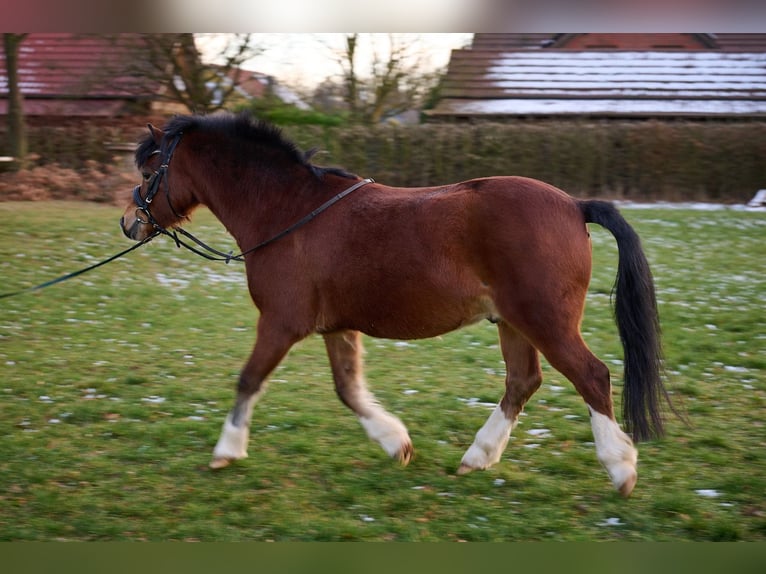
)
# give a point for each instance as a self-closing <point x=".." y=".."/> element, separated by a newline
<point x="241" y="126"/>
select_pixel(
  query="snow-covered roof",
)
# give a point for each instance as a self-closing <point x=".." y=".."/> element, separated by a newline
<point x="604" y="82"/>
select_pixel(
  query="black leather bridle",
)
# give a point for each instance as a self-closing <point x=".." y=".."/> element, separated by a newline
<point x="143" y="204"/>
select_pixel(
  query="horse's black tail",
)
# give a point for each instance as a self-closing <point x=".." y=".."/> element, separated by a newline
<point x="635" y="308"/>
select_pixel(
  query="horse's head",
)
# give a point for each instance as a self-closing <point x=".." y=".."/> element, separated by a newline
<point x="161" y="200"/>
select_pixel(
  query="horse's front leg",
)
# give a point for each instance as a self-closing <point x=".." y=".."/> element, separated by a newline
<point x="344" y="349"/>
<point x="270" y="348"/>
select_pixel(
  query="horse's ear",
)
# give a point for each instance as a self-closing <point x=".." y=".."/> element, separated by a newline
<point x="157" y="133"/>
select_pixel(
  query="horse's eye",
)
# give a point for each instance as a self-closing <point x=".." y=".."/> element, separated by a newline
<point x="146" y="175"/>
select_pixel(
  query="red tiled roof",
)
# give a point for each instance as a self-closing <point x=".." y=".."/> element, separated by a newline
<point x="64" y="66"/>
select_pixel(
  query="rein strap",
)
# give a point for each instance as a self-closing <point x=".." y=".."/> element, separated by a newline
<point x="226" y="257"/>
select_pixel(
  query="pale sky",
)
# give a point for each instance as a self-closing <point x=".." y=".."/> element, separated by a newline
<point x="305" y="60"/>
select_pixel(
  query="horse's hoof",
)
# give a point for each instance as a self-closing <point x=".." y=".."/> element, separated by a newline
<point x="217" y="463"/>
<point x="627" y="487"/>
<point x="464" y="469"/>
<point x="404" y="456"/>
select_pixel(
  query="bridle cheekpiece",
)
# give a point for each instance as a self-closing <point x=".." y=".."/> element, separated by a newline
<point x="143" y="203"/>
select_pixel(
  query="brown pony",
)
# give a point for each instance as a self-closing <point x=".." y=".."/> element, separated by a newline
<point x="407" y="263"/>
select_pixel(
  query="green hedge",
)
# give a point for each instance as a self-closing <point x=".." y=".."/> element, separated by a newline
<point x="630" y="160"/>
<point x="642" y="160"/>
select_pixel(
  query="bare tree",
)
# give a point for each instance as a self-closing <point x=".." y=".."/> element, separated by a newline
<point x="173" y="62"/>
<point x="17" y="131"/>
<point x="395" y="80"/>
<point x="348" y="63"/>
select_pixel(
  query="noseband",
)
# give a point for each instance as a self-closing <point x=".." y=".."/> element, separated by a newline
<point x="143" y="203"/>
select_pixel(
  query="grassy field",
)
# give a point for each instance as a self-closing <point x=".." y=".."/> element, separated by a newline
<point x="113" y="387"/>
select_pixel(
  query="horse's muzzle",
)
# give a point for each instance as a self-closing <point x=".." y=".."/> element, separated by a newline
<point x="132" y="232"/>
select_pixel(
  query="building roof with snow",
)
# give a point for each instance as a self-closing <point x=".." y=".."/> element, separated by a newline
<point x="699" y="79"/>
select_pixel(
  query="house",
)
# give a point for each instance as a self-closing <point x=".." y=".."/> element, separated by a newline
<point x="252" y="85"/>
<point x="66" y="75"/>
<point x="505" y="76"/>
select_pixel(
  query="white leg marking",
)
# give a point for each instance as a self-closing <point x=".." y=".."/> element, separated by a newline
<point x="489" y="444"/>
<point x="615" y="451"/>
<point x="385" y="429"/>
<point x="232" y="444"/>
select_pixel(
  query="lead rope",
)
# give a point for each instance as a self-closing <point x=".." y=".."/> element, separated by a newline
<point x="81" y="271"/>
<point x="216" y="255"/>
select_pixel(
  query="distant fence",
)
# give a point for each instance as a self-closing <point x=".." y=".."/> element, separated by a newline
<point x="642" y="160"/>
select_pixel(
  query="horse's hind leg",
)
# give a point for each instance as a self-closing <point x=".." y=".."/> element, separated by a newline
<point x="522" y="379"/>
<point x="344" y="349"/>
<point x="614" y="449"/>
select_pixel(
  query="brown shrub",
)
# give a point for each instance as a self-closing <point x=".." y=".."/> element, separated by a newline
<point x="103" y="183"/>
